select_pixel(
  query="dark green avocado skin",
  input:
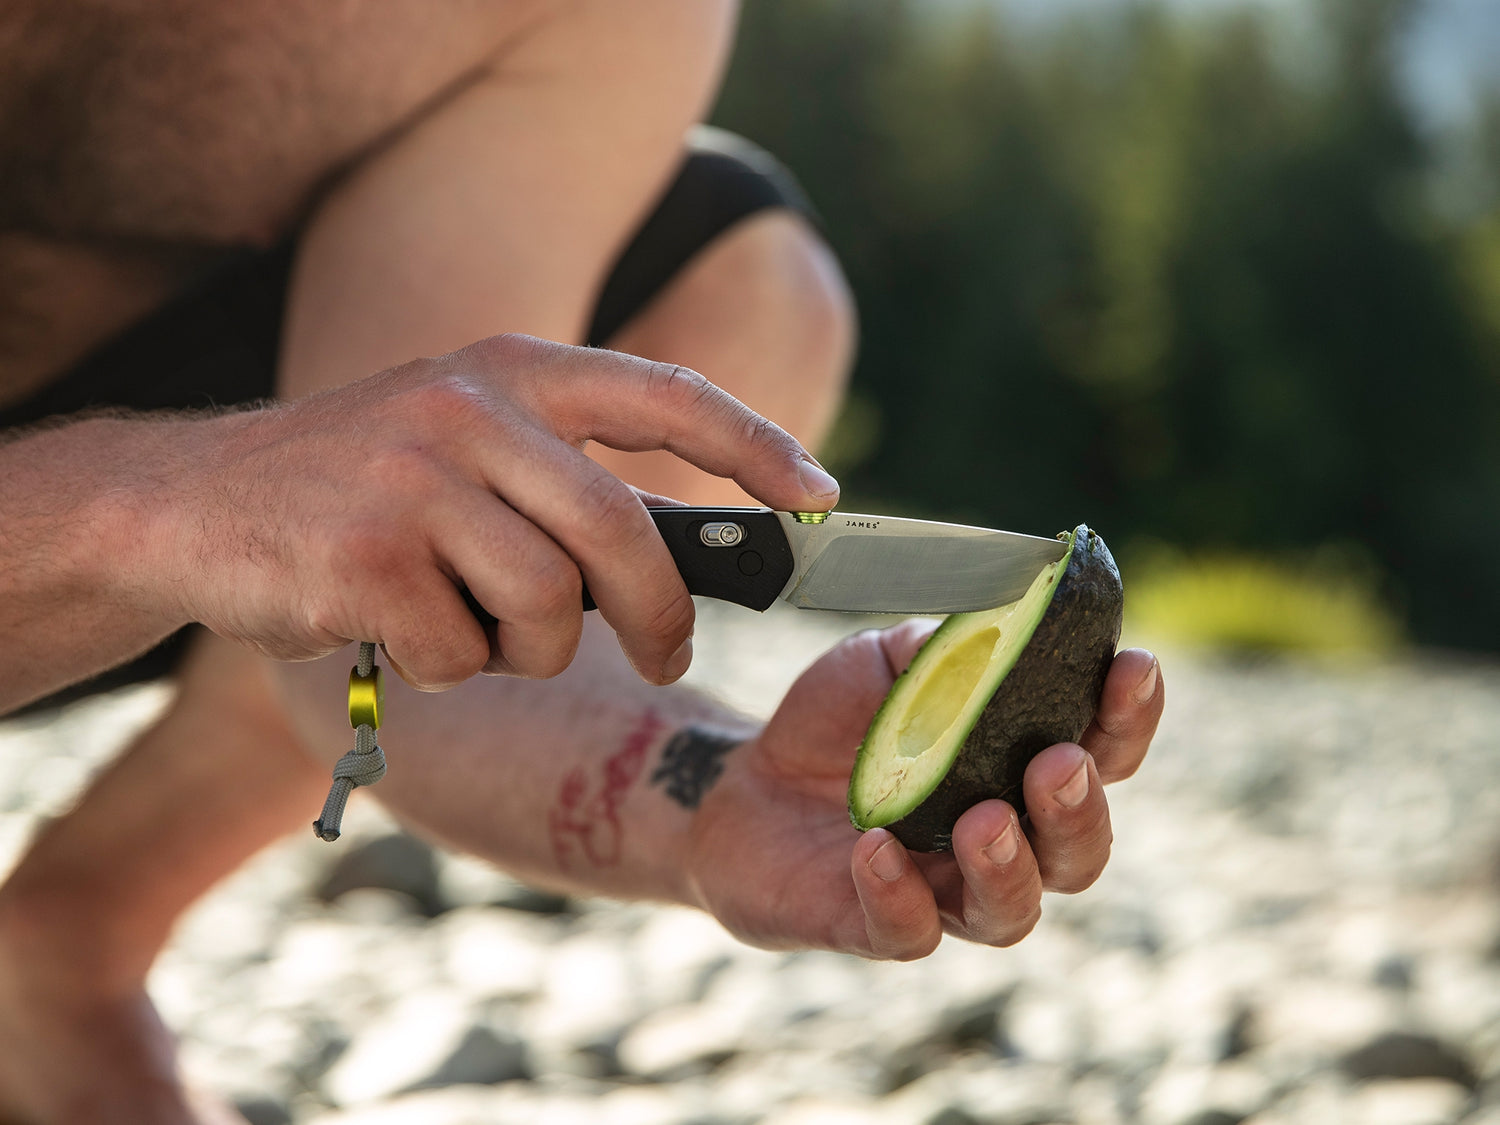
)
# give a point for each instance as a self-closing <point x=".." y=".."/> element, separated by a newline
<point x="1049" y="696"/>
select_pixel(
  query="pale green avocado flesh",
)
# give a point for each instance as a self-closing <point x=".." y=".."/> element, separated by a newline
<point x="930" y="710"/>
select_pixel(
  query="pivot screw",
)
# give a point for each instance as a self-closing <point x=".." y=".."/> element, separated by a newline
<point x="721" y="534"/>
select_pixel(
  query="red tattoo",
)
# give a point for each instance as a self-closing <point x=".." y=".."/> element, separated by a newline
<point x="585" y="820"/>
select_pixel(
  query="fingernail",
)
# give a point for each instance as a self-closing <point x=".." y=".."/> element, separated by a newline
<point x="816" y="480"/>
<point x="1075" y="789"/>
<point x="888" y="862"/>
<point x="1002" y="849"/>
<point x="678" y="662"/>
<point x="1146" y="689"/>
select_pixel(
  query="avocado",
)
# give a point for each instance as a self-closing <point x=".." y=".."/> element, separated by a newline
<point x="986" y="693"/>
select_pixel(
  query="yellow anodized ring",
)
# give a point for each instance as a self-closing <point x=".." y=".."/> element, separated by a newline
<point x="366" y="695"/>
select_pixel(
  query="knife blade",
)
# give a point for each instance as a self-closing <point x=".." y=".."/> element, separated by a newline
<point x="846" y="561"/>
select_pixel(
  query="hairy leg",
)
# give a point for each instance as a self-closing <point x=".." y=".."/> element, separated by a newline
<point x="82" y="917"/>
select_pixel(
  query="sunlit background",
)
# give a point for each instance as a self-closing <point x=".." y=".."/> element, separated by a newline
<point x="1220" y="279"/>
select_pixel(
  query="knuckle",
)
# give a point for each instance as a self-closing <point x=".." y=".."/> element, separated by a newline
<point x="1124" y="727"/>
<point x="431" y="666"/>
<point x="675" y="383"/>
<point x="461" y="658"/>
<point x="918" y="946"/>
<point x="503" y="350"/>
<point x="555" y="594"/>
<point x="762" y="433"/>
<point x="767" y="442"/>
<point x="674" y="390"/>
<point x="550" y="657"/>
<point x="906" y="932"/>
<point x="672" y="621"/>
<point x="1121" y="764"/>
<point x="321" y="632"/>
<point x="994" y="918"/>
<point x="611" y="521"/>
<point x="1018" y="932"/>
<point x="330" y="606"/>
<point x="1118" y="758"/>
<point x="609" y="506"/>
<point x="1083" y="869"/>
<point x="561" y="657"/>
<point x="451" y="399"/>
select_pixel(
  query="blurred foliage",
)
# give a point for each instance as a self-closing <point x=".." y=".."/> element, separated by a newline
<point x="1182" y="278"/>
<point x="1325" y="604"/>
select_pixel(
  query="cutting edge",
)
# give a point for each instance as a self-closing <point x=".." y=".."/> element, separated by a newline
<point x="911" y="572"/>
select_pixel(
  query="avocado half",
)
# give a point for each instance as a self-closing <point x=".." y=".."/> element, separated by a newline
<point x="987" y="693"/>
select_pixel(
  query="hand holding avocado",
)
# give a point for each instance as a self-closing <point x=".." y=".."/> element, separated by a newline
<point x="772" y="851"/>
<point x="987" y="693"/>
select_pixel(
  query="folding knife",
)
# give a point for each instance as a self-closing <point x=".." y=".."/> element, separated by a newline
<point x="844" y="561"/>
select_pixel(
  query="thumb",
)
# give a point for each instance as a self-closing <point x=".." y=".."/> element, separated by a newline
<point x="901" y="642"/>
<point x="832" y="702"/>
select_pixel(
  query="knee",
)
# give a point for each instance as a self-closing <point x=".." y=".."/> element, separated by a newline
<point x="790" y="310"/>
<point x="789" y="272"/>
<point x="764" y="311"/>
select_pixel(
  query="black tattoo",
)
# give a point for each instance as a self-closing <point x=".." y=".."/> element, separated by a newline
<point x="691" y="762"/>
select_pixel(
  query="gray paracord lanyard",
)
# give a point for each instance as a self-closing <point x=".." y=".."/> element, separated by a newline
<point x="365" y="764"/>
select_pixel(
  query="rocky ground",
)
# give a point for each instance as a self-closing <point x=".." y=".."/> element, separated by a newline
<point x="1301" y="923"/>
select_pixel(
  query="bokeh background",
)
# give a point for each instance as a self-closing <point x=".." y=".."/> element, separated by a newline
<point x="1220" y="279"/>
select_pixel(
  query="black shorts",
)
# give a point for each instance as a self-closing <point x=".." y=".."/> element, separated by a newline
<point x="216" y="344"/>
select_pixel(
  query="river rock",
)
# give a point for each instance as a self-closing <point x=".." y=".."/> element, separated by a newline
<point x="1300" y="910"/>
<point x="433" y="1038"/>
<point x="398" y="862"/>
<point x="1422" y="1101"/>
<point x="1406" y="1054"/>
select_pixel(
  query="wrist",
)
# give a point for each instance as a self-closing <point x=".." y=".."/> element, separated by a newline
<point x="622" y="823"/>
<point x="181" y="510"/>
<point x="698" y="762"/>
<point x="152" y="530"/>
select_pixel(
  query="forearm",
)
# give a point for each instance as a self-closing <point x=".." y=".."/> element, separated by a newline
<point x="587" y="782"/>
<point x="83" y="536"/>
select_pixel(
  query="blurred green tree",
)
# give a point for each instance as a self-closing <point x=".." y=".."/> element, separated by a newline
<point x="1158" y="273"/>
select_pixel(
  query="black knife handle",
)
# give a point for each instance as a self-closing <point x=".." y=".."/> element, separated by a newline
<point x="743" y="557"/>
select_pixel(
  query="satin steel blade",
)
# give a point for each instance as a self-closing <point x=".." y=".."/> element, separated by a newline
<point x="882" y="564"/>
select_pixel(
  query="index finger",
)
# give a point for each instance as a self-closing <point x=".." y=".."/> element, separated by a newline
<point x="635" y="404"/>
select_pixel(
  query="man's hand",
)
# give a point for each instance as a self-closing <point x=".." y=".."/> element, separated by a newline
<point x="775" y="858"/>
<point x="373" y="511"/>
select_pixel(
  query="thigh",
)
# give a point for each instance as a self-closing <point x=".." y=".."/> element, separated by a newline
<point x="502" y="210"/>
